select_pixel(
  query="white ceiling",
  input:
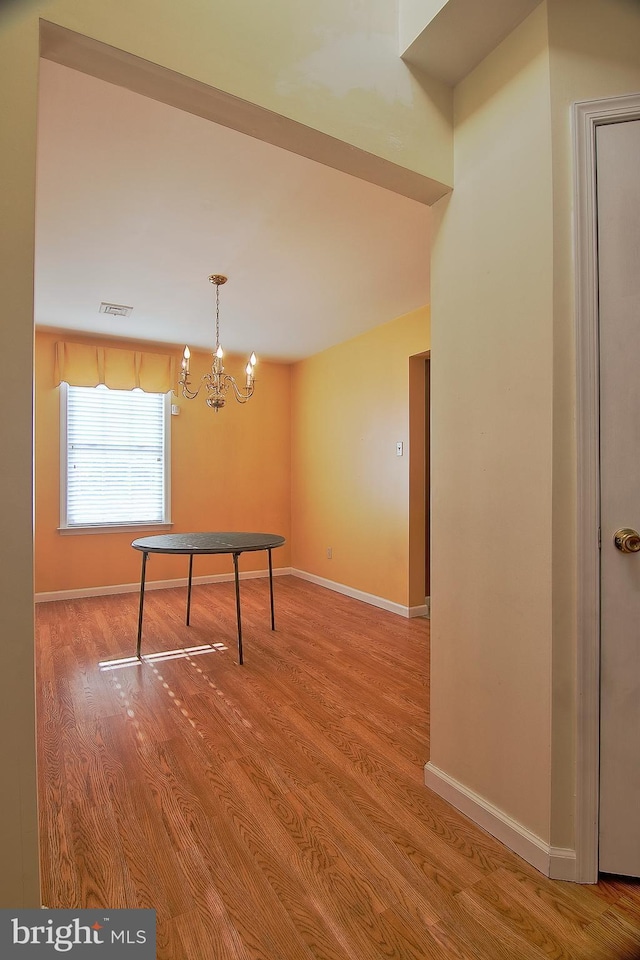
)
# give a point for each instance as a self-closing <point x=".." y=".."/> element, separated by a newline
<point x="139" y="202"/>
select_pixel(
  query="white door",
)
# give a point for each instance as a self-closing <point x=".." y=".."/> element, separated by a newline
<point x="618" y="207"/>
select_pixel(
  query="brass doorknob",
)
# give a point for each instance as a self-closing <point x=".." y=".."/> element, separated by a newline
<point x="627" y="540"/>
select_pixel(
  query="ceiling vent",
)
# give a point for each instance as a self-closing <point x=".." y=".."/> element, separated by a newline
<point x="115" y="309"/>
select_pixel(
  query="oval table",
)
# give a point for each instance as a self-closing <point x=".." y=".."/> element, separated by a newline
<point x="191" y="544"/>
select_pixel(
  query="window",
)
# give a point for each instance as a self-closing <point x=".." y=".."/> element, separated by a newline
<point x="114" y="457"/>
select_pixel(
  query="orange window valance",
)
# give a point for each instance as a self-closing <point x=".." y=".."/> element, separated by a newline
<point x="82" y="365"/>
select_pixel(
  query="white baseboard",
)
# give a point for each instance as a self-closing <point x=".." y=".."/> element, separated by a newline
<point x="375" y="601"/>
<point x="420" y="611"/>
<point x="398" y="608"/>
<point x="562" y="864"/>
<point x="555" y="862"/>
<point x="154" y="585"/>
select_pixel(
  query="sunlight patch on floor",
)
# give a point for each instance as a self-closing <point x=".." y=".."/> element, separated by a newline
<point x="183" y="652"/>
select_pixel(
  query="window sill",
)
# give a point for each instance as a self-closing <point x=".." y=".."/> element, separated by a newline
<point x="114" y="528"/>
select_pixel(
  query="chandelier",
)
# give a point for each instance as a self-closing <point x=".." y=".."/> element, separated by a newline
<point x="217" y="382"/>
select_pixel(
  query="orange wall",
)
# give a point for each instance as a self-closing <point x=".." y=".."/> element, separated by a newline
<point x="230" y="471"/>
<point x="350" y="492"/>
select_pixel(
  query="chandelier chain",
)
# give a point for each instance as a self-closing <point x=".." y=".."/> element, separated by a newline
<point x="217" y="316"/>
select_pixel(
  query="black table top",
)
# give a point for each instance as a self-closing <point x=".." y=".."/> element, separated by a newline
<point x="207" y="542"/>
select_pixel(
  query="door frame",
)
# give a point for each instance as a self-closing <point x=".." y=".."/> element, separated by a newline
<point x="587" y="116"/>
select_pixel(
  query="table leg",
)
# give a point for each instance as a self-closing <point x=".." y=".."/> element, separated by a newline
<point x="235" y="567"/>
<point x="273" y="616"/>
<point x="142" y="580"/>
<point x="189" y="589"/>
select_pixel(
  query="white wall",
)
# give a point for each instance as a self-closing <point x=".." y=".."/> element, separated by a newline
<point x="332" y="66"/>
<point x="413" y="17"/>
<point x="19" y="878"/>
<point x="492" y="366"/>
<point x="504" y="699"/>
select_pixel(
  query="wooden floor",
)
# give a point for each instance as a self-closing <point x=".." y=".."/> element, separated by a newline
<point x="277" y="810"/>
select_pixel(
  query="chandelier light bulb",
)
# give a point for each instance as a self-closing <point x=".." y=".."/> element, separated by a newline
<point x="253" y="359"/>
<point x="219" y="352"/>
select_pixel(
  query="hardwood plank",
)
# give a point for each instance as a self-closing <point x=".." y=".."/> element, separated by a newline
<point x="556" y="930"/>
<point x="277" y="810"/>
<point x="613" y="935"/>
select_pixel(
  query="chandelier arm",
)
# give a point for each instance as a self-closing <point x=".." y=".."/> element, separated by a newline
<point x="242" y="394"/>
<point x="190" y="394"/>
<point x="186" y="392"/>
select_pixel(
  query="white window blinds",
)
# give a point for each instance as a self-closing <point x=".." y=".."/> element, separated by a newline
<point x="116" y="457"/>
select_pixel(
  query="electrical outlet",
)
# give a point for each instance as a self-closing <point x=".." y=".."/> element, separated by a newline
<point x="399" y="448"/>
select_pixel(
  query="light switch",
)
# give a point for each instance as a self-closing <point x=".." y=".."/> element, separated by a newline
<point x="399" y="448"/>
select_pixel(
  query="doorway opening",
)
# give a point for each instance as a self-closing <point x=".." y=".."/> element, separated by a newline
<point x="419" y="420"/>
